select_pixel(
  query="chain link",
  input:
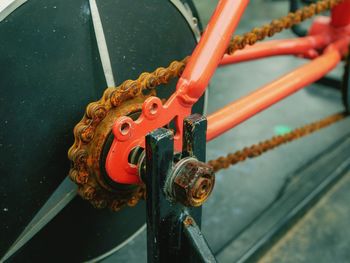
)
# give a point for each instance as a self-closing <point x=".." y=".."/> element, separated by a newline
<point x="93" y="130"/>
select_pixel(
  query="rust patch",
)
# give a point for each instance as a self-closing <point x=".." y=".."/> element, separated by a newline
<point x="193" y="183"/>
<point x="188" y="221"/>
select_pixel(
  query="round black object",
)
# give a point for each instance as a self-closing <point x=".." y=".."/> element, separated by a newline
<point x="50" y="70"/>
<point x="346" y="85"/>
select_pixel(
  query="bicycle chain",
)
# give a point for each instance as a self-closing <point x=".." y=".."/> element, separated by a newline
<point x="92" y="131"/>
<point x="258" y="149"/>
<point x="293" y="18"/>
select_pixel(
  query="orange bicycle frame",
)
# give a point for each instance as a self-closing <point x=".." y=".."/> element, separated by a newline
<point x="326" y="44"/>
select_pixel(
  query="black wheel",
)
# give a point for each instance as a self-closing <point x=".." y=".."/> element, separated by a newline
<point x="50" y="70"/>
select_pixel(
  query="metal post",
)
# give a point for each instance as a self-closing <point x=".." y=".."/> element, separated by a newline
<point x="173" y="199"/>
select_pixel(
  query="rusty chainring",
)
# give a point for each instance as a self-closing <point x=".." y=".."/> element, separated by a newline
<point x="93" y="130"/>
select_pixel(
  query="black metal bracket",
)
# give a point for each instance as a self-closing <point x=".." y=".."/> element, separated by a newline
<point x="173" y="230"/>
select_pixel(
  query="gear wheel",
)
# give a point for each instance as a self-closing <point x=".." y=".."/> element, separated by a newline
<point x="91" y="135"/>
<point x="93" y="131"/>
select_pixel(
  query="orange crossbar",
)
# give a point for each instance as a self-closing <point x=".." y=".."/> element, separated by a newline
<point x="246" y="107"/>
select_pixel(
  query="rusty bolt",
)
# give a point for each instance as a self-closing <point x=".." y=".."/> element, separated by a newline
<point x="191" y="182"/>
<point x="188" y="221"/>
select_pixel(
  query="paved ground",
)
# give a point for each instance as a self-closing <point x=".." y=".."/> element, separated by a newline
<point x="245" y="190"/>
<point x="322" y="235"/>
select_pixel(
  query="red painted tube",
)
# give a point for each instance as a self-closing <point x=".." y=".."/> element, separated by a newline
<point x="210" y="50"/>
<point x="305" y="46"/>
<point x="341" y="14"/>
<point x="246" y="107"/>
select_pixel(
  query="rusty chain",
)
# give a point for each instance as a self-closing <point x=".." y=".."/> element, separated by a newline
<point x="277" y="25"/>
<point x="93" y="130"/>
<point x="258" y="149"/>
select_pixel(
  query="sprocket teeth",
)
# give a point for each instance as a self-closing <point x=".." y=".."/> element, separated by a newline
<point x="82" y="177"/>
<point x="116" y="205"/>
<point x="99" y="203"/>
<point x="86" y="133"/>
<point x="87" y="192"/>
<point x="96" y="111"/>
<point x="80" y="157"/>
<point x="73" y="173"/>
<point x="133" y="201"/>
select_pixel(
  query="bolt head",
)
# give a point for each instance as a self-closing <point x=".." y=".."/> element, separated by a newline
<point x="193" y="183"/>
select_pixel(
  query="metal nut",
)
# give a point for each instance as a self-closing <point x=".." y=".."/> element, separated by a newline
<point x="193" y="182"/>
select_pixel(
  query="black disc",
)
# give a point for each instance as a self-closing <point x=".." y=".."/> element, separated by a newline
<point x="50" y="70"/>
